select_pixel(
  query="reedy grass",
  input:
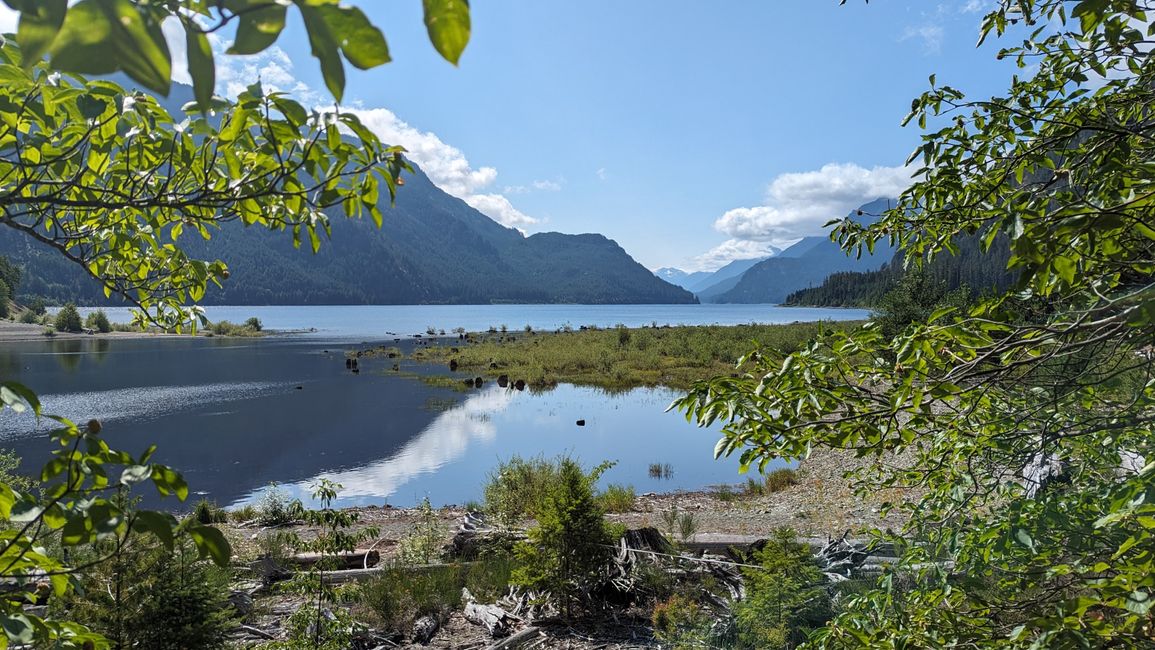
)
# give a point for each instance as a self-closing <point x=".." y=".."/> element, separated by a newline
<point x="621" y="358"/>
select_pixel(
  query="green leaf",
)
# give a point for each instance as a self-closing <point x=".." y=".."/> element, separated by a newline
<point x="103" y="36"/>
<point x="325" y="49"/>
<point x="211" y="543"/>
<point x="201" y="67"/>
<point x="362" y="44"/>
<point x="448" y="24"/>
<point x="258" y="29"/>
<point x="160" y="524"/>
<point x="40" y="22"/>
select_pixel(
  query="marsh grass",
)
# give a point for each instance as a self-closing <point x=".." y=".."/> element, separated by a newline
<point x="618" y="498"/>
<point x="622" y="358"/>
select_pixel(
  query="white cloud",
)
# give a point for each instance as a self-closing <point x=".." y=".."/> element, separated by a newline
<point x="272" y="67"/>
<point x="726" y="252"/>
<point x="930" y="35"/>
<point x="9" y="19"/>
<point x="798" y="204"/>
<point x="446" y="166"/>
<point x="602" y="174"/>
<point x="498" y="208"/>
<point x="536" y="186"/>
<point x="976" y="6"/>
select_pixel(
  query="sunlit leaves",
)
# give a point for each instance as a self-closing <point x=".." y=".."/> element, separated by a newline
<point x="448" y="24"/>
<point x="105" y="36"/>
<point x="139" y="179"/>
<point x="1022" y="426"/>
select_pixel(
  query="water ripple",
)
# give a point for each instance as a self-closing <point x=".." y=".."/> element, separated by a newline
<point x="139" y="403"/>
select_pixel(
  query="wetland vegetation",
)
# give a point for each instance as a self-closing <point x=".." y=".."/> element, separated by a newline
<point x="617" y="358"/>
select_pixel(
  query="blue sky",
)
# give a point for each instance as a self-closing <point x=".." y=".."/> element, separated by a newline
<point x="691" y="133"/>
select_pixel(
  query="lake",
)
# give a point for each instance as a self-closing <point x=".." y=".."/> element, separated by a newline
<point x="235" y="415"/>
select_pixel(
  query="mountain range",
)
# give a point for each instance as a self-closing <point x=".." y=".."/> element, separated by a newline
<point x="432" y="248"/>
<point x="806" y="263"/>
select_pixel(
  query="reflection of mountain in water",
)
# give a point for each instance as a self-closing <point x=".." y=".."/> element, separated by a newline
<point x="446" y="439"/>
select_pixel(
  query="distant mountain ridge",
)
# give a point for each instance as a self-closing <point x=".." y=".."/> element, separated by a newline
<point x="805" y="264"/>
<point x="432" y="248"/>
<point x="700" y="282"/>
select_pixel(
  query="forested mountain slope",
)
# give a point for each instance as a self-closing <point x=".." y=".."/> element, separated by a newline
<point x="431" y="248"/>
<point x="981" y="272"/>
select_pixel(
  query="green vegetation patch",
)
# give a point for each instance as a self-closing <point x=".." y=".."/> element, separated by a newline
<point x="620" y="358"/>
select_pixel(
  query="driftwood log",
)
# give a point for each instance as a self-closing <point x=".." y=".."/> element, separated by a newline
<point x="523" y="637"/>
<point x="358" y="559"/>
<point x="496" y="620"/>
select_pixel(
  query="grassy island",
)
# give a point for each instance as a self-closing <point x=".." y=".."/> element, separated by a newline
<point x="617" y="358"/>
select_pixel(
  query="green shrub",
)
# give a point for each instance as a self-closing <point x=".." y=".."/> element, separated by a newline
<point x="9" y="463"/>
<point x="98" y="321"/>
<point x="401" y="595"/>
<point x="247" y="512"/>
<point x="149" y="598"/>
<point x="618" y="498"/>
<point x="67" y="319"/>
<point x="253" y="323"/>
<point x="208" y="512"/>
<point x="785" y="599"/>
<point x="566" y="553"/>
<point x="780" y="479"/>
<point x="516" y="488"/>
<point x="423" y="544"/>
<point x="274" y="508"/>
<point x="29" y="317"/>
<point x="681" y="622"/>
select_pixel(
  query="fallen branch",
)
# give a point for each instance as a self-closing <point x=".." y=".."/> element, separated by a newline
<point x="256" y="631"/>
<point x="531" y="633"/>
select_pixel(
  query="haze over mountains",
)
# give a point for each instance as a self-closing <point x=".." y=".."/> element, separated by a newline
<point x="807" y="263"/>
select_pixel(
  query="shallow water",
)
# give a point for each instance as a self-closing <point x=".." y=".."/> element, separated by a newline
<point x="235" y="415"/>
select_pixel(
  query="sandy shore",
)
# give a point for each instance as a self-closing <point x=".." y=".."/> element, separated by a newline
<point x="15" y="332"/>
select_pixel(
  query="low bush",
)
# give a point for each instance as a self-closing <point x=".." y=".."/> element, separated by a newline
<point x="517" y="487"/>
<point x="681" y="622"/>
<point x="402" y="594"/>
<point x="29" y="317"/>
<point x="247" y="512"/>
<point x="780" y="479"/>
<point x="618" y="498"/>
<point x="274" y="508"/>
<point x="423" y="543"/>
<point x="208" y="512"/>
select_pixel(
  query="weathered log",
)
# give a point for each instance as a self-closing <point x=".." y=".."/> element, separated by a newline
<point x="496" y="620"/>
<point x="357" y="559"/>
<point x="425" y="628"/>
<point x="257" y="632"/>
<point x="523" y="637"/>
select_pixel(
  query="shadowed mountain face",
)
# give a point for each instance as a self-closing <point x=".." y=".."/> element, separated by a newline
<point x="805" y="264"/>
<point x="431" y="248"/>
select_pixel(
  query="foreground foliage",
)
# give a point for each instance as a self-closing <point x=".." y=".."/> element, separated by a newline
<point x="1028" y="416"/>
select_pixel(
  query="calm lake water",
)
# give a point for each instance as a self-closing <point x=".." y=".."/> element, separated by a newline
<point x="235" y="415"/>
